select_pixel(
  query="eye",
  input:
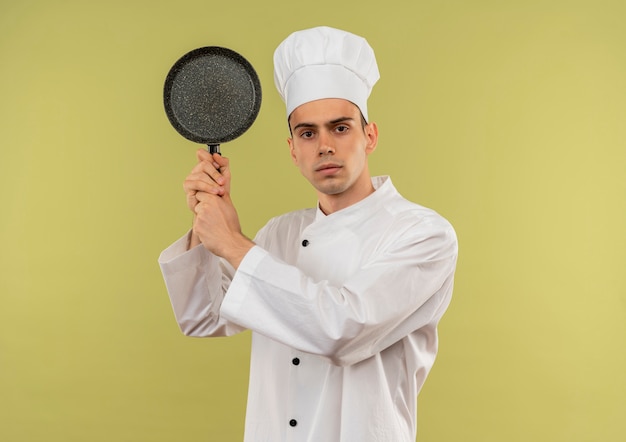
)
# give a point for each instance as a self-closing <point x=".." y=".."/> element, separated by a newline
<point x="306" y="134"/>
<point x="341" y="128"/>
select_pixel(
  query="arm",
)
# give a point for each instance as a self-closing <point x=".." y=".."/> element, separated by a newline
<point x="217" y="227"/>
<point x="196" y="280"/>
<point x="403" y="288"/>
<point x="211" y="176"/>
<point x="216" y="223"/>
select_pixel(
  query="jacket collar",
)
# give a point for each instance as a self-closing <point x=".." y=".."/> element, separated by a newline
<point x="383" y="189"/>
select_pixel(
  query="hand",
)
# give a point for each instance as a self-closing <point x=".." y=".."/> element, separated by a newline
<point x="216" y="225"/>
<point x="211" y="175"/>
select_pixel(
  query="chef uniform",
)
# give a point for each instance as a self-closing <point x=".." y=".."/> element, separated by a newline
<point x="343" y="308"/>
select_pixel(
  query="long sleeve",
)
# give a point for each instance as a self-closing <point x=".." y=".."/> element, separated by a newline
<point x="392" y="288"/>
<point x="196" y="282"/>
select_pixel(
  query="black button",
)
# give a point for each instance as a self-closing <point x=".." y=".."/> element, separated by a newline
<point x="293" y="422"/>
<point x="305" y="243"/>
<point x="295" y="361"/>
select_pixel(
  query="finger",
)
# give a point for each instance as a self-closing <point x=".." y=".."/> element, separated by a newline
<point x="215" y="160"/>
<point x="210" y="169"/>
<point x="201" y="183"/>
<point x="203" y="155"/>
<point x="205" y="196"/>
<point x="224" y="168"/>
<point x="200" y="207"/>
<point x="220" y="160"/>
<point x="199" y="168"/>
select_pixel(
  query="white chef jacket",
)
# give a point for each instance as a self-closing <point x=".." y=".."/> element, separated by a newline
<point x="343" y="311"/>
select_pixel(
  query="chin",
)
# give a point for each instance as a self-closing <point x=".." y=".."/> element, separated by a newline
<point x="330" y="188"/>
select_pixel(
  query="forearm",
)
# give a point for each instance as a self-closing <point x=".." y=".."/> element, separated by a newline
<point x="193" y="240"/>
<point x="345" y="321"/>
<point x="233" y="251"/>
<point x="238" y="247"/>
<point x="196" y="283"/>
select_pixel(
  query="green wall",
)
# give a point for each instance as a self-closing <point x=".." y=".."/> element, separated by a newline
<point x="507" y="117"/>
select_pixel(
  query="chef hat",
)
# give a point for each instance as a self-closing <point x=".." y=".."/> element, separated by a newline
<point x="324" y="62"/>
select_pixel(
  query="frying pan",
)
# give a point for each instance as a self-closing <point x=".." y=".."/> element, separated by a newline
<point x="212" y="95"/>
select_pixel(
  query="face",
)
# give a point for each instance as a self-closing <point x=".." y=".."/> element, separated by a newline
<point x="330" y="146"/>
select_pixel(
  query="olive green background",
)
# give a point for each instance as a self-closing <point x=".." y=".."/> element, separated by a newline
<point x="506" y="117"/>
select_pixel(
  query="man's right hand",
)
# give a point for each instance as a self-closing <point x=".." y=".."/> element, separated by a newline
<point x="210" y="175"/>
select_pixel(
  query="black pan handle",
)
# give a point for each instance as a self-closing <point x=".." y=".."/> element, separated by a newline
<point x="214" y="148"/>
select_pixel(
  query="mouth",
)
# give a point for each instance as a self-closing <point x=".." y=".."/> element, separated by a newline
<point x="328" y="168"/>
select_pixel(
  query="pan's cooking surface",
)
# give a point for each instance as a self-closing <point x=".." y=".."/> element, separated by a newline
<point x="212" y="95"/>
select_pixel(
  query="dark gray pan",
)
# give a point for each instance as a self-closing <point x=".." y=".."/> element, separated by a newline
<point x="212" y="95"/>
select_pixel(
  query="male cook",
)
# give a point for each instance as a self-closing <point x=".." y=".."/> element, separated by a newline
<point x="343" y="299"/>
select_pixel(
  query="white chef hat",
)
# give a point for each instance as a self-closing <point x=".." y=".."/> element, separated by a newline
<point x="324" y="62"/>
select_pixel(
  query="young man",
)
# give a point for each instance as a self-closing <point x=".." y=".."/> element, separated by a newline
<point x="343" y="300"/>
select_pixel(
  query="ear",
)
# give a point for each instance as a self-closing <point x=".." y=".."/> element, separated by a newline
<point x="371" y="133"/>
<point x="292" y="151"/>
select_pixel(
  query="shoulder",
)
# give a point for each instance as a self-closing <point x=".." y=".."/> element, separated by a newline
<point x="405" y="211"/>
<point x="416" y="224"/>
<point x="400" y="209"/>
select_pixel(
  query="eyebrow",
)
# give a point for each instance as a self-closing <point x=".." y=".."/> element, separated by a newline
<point x="330" y="123"/>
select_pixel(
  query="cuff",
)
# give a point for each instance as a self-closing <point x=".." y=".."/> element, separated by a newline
<point x="239" y="286"/>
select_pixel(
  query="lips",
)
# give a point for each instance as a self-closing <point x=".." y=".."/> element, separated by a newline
<point x="328" y="168"/>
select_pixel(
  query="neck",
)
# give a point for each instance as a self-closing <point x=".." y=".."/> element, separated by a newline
<point x="334" y="203"/>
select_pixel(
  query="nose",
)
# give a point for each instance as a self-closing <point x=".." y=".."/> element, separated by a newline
<point x="326" y="144"/>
